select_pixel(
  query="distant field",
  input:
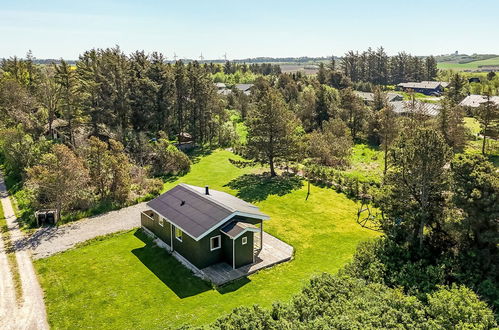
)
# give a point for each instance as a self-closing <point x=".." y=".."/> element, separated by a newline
<point x="468" y="66"/>
<point x="306" y="68"/>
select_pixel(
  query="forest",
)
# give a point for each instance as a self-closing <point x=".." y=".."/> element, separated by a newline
<point x="110" y="130"/>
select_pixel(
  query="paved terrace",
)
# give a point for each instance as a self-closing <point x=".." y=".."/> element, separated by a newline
<point x="274" y="251"/>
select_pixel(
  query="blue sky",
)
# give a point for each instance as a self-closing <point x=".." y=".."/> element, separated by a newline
<point x="54" y="29"/>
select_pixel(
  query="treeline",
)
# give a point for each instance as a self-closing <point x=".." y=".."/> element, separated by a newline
<point x="130" y="108"/>
<point x="376" y="67"/>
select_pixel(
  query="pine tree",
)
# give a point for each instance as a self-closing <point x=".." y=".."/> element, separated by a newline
<point x="272" y="131"/>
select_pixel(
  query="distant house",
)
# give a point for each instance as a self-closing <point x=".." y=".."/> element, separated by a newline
<point x="245" y="88"/>
<point x="204" y="227"/>
<point x="424" y="87"/>
<point x="406" y="108"/>
<point x="369" y="97"/>
<point x="474" y="101"/>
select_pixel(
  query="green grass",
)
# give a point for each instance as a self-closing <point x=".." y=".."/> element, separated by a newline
<point x="472" y="124"/>
<point x="125" y="282"/>
<point x="241" y="128"/>
<point x="474" y="146"/>
<point x="469" y="65"/>
<point x="366" y="163"/>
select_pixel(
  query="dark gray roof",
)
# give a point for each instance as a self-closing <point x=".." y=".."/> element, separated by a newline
<point x="197" y="214"/>
<point x="235" y="228"/>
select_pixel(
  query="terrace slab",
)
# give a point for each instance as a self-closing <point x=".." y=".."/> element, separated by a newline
<point x="273" y="252"/>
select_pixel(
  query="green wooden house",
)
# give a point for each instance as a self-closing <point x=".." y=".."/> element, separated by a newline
<point x="203" y="227"/>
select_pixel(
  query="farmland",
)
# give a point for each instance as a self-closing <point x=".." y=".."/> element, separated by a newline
<point x="468" y="66"/>
<point x="87" y="285"/>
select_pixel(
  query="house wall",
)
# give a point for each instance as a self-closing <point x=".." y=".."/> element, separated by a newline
<point x="198" y="252"/>
<point x="244" y="253"/>
<point x="163" y="232"/>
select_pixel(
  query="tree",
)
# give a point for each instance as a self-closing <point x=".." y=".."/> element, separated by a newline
<point x="109" y="169"/>
<point x="167" y="159"/>
<point x="272" y="130"/>
<point x="322" y="74"/>
<point x="332" y="145"/>
<point x="451" y="124"/>
<point x="354" y="112"/>
<point x="70" y="110"/>
<point x="456" y="89"/>
<point x="476" y="193"/>
<point x="49" y="95"/>
<point x="413" y="194"/>
<point x="458" y="308"/>
<point x="488" y="116"/>
<point x="60" y="180"/>
<point x="388" y="131"/>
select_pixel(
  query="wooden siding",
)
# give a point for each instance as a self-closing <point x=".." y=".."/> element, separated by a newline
<point x="199" y="252"/>
<point x="244" y="253"/>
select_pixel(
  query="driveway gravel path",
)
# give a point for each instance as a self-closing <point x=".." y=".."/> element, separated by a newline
<point x="47" y="241"/>
<point x="30" y="314"/>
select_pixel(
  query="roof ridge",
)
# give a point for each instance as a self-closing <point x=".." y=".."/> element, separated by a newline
<point x="213" y="201"/>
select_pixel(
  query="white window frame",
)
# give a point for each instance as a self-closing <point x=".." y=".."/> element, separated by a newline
<point x="244" y="240"/>
<point x="161" y="222"/>
<point x="179" y="238"/>
<point x="219" y="242"/>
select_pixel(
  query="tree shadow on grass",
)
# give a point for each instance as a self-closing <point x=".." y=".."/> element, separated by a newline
<point x="171" y="272"/>
<point x="257" y="187"/>
<point x="197" y="153"/>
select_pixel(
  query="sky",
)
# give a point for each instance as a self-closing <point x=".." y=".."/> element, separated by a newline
<point x="245" y="29"/>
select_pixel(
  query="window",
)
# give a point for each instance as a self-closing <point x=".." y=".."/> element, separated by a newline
<point x="244" y="240"/>
<point x="161" y="222"/>
<point x="178" y="234"/>
<point x="215" y="243"/>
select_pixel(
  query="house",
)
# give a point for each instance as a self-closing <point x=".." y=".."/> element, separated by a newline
<point x="405" y="108"/>
<point x="245" y="88"/>
<point x="204" y="227"/>
<point x="474" y="101"/>
<point x="424" y="87"/>
<point x="369" y="97"/>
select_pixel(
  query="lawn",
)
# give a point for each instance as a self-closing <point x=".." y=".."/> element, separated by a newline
<point x="124" y="282"/>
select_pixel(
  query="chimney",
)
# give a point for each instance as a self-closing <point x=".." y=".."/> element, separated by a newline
<point x="206" y="190"/>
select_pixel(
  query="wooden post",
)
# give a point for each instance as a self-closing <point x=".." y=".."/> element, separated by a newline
<point x="261" y="235"/>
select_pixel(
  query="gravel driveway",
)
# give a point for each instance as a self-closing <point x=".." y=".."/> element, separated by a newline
<point x="50" y="240"/>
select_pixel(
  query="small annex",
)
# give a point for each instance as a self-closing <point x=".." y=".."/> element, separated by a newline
<point x="204" y="227"/>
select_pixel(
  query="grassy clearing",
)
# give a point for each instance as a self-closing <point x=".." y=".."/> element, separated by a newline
<point x="474" y="146"/>
<point x="125" y="282"/>
<point x="366" y="163"/>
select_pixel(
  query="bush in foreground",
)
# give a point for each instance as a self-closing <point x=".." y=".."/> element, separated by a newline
<point x="343" y="302"/>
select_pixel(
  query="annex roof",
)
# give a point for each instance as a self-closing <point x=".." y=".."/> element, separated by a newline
<point x="243" y="87"/>
<point x="369" y="97"/>
<point x="404" y="107"/>
<point x="424" y="84"/>
<point x="474" y="100"/>
<point x="197" y="214"/>
<point x="234" y="229"/>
